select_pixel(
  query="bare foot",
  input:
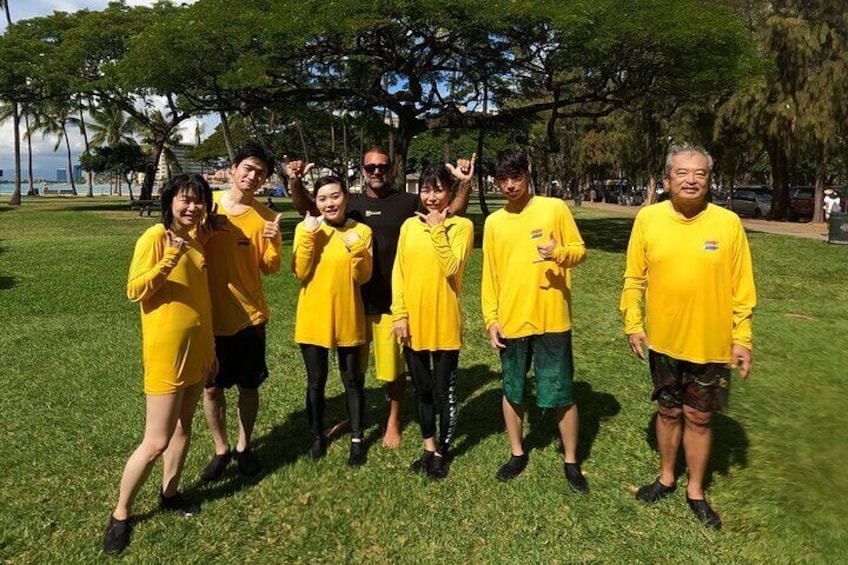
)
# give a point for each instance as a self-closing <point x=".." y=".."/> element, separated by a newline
<point x="336" y="428"/>
<point x="392" y="437"/>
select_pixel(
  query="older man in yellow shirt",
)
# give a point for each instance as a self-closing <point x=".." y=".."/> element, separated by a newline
<point x="691" y="261"/>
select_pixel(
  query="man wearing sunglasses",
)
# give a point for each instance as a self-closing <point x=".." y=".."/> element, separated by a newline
<point x="384" y="210"/>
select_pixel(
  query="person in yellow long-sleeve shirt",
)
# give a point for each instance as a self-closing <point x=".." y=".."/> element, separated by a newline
<point x="244" y="246"/>
<point x="332" y="258"/>
<point x="168" y="279"/>
<point x="528" y="248"/>
<point x="691" y="260"/>
<point x="432" y="252"/>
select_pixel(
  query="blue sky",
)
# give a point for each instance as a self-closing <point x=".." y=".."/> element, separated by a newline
<point x="45" y="161"/>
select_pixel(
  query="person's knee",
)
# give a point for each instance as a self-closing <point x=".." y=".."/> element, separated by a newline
<point x="696" y="420"/>
<point x="213" y="394"/>
<point x="248" y="393"/>
<point x="669" y="414"/>
<point x="154" y="447"/>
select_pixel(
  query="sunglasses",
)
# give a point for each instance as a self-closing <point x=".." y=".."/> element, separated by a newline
<point x="371" y="167"/>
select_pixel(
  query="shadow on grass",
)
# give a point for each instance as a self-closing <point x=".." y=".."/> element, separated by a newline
<point x="6" y="282"/>
<point x="606" y="234"/>
<point x="729" y="447"/>
<point x="102" y="207"/>
<point x="594" y="407"/>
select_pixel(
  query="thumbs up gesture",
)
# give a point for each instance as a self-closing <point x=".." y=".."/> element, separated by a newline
<point x="311" y="223"/>
<point x="351" y="239"/>
<point x="546" y="252"/>
<point x="272" y="229"/>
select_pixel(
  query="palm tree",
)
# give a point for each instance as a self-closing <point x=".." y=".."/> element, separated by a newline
<point x="160" y="134"/>
<point x="111" y="126"/>
<point x="7" y="112"/>
<point x="16" y="124"/>
<point x="53" y="120"/>
<point x="80" y="121"/>
<point x="27" y="112"/>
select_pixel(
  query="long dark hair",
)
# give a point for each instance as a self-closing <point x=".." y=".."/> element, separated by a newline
<point x="194" y="184"/>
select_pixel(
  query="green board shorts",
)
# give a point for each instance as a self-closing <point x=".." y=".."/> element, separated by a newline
<point x="553" y="364"/>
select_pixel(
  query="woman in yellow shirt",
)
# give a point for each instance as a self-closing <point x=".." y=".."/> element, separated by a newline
<point x="168" y="279"/>
<point x="432" y="252"/>
<point x="332" y="258"/>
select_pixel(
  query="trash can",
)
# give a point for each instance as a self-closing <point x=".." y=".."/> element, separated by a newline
<point x="578" y="200"/>
<point x="837" y="228"/>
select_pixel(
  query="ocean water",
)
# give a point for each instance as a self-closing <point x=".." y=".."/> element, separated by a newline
<point x="82" y="188"/>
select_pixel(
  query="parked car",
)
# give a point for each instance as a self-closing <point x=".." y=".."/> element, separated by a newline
<point x="751" y="203"/>
<point x="718" y="198"/>
<point x="802" y="202"/>
<point x="614" y="189"/>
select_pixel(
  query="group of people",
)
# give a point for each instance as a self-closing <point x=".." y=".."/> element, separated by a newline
<point x="382" y="270"/>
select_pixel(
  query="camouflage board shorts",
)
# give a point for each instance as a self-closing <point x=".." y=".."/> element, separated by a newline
<point x="704" y="387"/>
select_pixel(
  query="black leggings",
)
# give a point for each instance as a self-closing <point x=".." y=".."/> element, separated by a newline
<point x="315" y="358"/>
<point x="431" y="384"/>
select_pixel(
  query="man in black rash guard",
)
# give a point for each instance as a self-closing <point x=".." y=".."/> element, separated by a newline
<point x="383" y="209"/>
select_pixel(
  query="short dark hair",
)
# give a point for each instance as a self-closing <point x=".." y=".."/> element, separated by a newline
<point x="437" y="174"/>
<point x="376" y="149"/>
<point x="511" y="163"/>
<point x="195" y="184"/>
<point x="324" y="181"/>
<point x="253" y="149"/>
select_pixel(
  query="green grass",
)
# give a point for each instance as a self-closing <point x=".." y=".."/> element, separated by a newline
<point x="72" y="411"/>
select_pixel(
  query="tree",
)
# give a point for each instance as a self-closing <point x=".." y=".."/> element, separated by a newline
<point x="16" y="123"/>
<point x="111" y="127"/>
<point x="52" y="120"/>
<point x="123" y="159"/>
<point x="567" y="58"/>
<point x="796" y="98"/>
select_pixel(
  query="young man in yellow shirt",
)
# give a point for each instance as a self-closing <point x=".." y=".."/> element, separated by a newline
<point x="245" y="247"/>
<point x="529" y="247"/>
<point x="691" y="259"/>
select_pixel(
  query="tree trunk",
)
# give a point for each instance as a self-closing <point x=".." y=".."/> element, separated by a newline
<point x="16" y="121"/>
<point x="30" y="182"/>
<point x="821" y="173"/>
<point x="779" y="162"/>
<point x="346" y="153"/>
<point x="89" y="175"/>
<point x="228" y="137"/>
<point x="149" y="176"/>
<point x="481" y="179"/>
<point x="70" y="161"/>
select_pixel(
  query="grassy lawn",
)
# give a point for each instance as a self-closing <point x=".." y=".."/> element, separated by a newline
<point x="72" y="411"/>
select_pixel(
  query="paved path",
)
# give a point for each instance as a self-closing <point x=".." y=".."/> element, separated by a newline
<point x="808" y="230"/>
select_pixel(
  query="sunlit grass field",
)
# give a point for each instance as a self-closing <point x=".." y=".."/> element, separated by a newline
<point x="72" y="410"/>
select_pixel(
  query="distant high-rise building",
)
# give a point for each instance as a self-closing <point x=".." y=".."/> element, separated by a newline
<point x="61" y="175"/>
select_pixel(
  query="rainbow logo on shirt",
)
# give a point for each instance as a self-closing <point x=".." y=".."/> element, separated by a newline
<point x="536" y="234"/>
<point x="711" y="245"/>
